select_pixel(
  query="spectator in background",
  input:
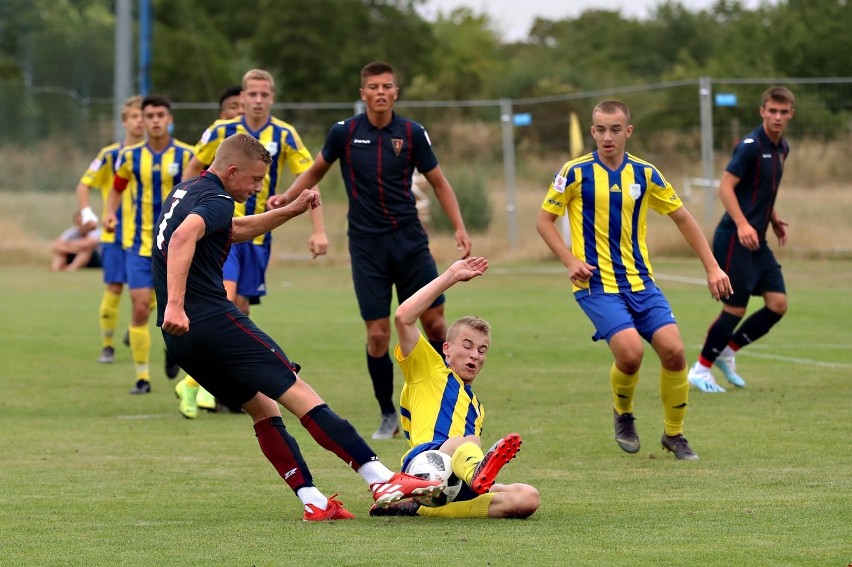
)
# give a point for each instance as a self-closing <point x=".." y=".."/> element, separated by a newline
<point x="77" y="247"/>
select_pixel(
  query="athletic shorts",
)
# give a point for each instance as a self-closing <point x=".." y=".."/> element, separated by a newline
<point x="246" y="264"/>
<point x="232" y="358"/>
<point x="751" y="272"/>
<point x="140" y="274"/>
<point x="399" y="258"/>
<point x="115" y="269"/>
<point x="646" y="311"/>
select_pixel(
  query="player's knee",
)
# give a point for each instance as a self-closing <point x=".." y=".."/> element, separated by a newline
<point x="778" y="305"/>
<point x="525" y="501"/>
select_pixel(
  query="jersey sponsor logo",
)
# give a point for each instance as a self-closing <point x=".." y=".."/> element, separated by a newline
<point x="95" y="165"/>
<point x="174" y="169"/>
<point x="767" y="156"/>
<point x="360" y="141"/>
<point x="559" y="184"/>
<point x="615" y="188"/>
<point x="272" y="148"/>
<point x="555" y="203"/>
<point x="635" y="191"/>
<point x="748" y="141"/>
<point x="397" y="145"/>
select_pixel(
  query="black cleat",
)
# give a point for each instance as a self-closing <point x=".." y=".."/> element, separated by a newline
<point x="401" y="508"/>
<point x="625" y="432"/>
<point x="141" y="387"/>
<point x="678" y="445"/>
<point x="171" y="366"/>
<point x="107" y="355"/>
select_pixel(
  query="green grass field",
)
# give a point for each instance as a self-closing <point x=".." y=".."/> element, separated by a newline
<point x="93" y="476"/>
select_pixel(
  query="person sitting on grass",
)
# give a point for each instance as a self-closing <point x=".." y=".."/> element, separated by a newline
<point x="76" y="248"/>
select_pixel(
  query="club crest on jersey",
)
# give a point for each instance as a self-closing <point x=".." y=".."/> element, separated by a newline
<point x="635" y="191"/>
<point x="559" y="184"/>
<point x="174" y="168"/>
<point x="272" y="148"/>
<point x="397" y="145"/>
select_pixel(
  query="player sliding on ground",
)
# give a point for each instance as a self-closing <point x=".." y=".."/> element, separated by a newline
<point x="440" y="411"/>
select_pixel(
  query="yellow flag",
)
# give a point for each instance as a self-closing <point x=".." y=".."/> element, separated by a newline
<point x="575" y="136"/>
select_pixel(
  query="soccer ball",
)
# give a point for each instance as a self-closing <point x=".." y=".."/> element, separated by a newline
<point x="437" y="466"/>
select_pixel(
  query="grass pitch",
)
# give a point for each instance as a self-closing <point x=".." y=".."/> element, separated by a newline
<point x="93" y="476"/>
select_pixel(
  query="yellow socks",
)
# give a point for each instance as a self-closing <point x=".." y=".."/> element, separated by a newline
<point x="476" y="508"/>
<point x="465" y="459"/>
<point x="674" y="391"/>
<point x="108" y="317"/>
<point x="140" y="349"/>
<point x="623" y="386"/>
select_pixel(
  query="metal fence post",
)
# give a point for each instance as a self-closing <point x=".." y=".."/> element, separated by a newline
<point x="705" y="94"/>
<point x="509" y="168"/>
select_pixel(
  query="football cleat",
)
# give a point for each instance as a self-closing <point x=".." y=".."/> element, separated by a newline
<point x="205" y="400"/>
<point x="728" y="366"/>
<point x="701" y="377"/>
<point x="485" y="473"/>
<point x="625" y="432"/>
<point x="188" y="406"/>
<point x="388" y="428"/>
<point x="402" y="485"/>
<point x="107" y="355"/>
<point x="141" y="387"/>
<point x="678" y="445"/>
<point x="333" y="511"/>
<point x="403" y="508"/>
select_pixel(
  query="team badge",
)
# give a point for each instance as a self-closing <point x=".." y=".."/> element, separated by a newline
<point x="397" y="145"/>
<point x="559" y="184"/>
<point x="174" y="169"/>
<point x="272" y="148"/>
<point x="635" y="191"/>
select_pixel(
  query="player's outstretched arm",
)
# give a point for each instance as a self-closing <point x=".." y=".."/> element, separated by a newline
<point x="408" y="313"/>
<point x="251" y="226"/>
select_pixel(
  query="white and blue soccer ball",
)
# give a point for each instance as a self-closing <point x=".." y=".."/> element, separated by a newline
<point x="436" y="466"/>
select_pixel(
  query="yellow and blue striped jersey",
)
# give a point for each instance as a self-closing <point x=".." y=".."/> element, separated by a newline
<point x="435" y="405"/>
<point x="607" y="211"/>
<point x="150" y="177"/>
<point x="283" y="143"/>
<point x="100" y="175"/>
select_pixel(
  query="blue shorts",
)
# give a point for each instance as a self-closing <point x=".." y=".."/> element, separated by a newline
<point x="399" y="258"/>
<point x="232" y="358"/>
<point x="752" y="272"/>
<point x="115" y="269"/>
<point x="646" y="311"/>
<point x="139" y="271"/>
<point x="246" y="264"/>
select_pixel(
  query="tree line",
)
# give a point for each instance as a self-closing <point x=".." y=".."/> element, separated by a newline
<point x="315" y="48"/>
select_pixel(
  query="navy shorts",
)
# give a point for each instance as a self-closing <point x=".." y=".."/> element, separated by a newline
<point x="399" y="258"/>
<point x="246" y="264"/>
<point x="112" y="257"/>
<point x="232" y="358"/>
<point x="751" y="272"/>
<point x="646" y="311"/>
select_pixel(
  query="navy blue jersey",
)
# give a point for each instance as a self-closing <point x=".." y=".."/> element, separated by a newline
<point x="377" y="165"/>
<point x="205" y="293"/>
<point x="759" y="165"/>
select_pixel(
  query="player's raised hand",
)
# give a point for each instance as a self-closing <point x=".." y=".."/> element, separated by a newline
<point x="469" y="268"/>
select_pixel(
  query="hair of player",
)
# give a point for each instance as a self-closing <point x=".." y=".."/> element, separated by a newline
<point x="233" y="90"/>
<point x="156" y="100"/>
<point x="133" y="102"/>
<point x="375" y="68"/>
<point x="238" y="149"/>
<point x="611" y="107"/>
<point x="782" y="95"/>
<point x="471" y="322"/>
<point x="258" y="75"/>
